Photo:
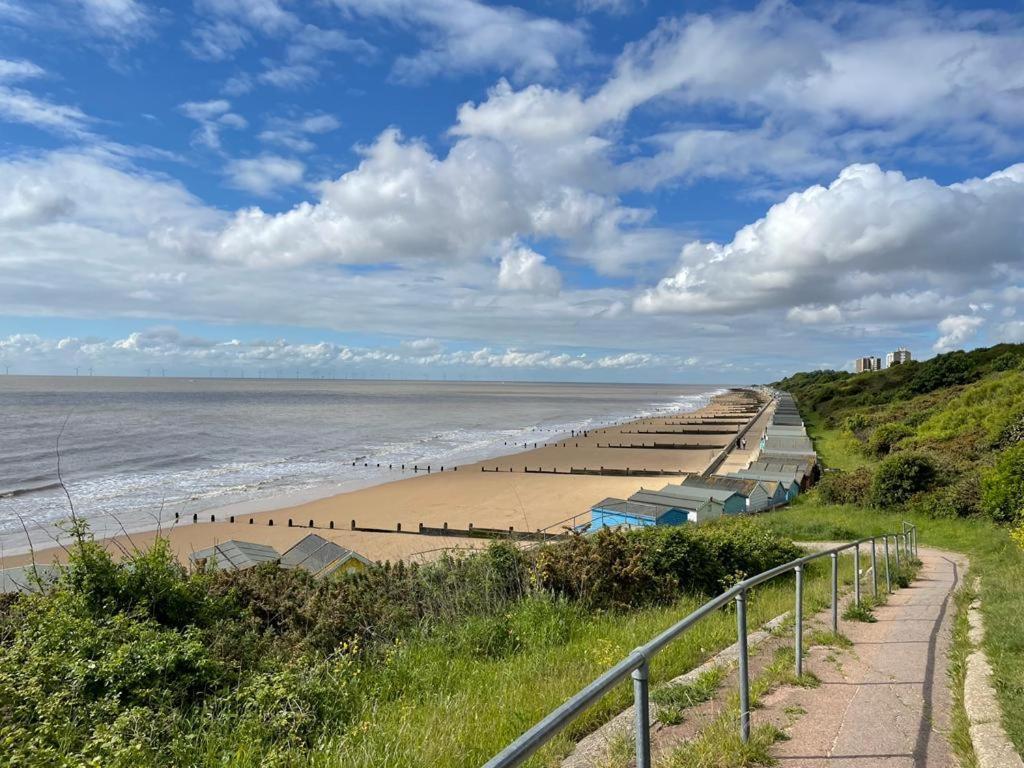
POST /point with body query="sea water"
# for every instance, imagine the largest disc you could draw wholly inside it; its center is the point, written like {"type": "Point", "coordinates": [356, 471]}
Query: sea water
{"type": "Point", "coordinates": [135, 451]}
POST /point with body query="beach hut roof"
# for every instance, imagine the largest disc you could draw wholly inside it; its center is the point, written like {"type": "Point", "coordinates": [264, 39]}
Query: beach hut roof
{"type": "Point", "coordinates": [634, 508]}
{"type": "Point", "coordinates": [720, 482]}
{"type": "Point", "coordinates": [656, 498]}
{"type": "Point", "coordinates": [235, 555]}
{"type": "Point", "coordinates": [698, 494]}
{"type": "Point", "coordinates": [318, 555]}
{"type": "Point", "coordinates": [790, 478]}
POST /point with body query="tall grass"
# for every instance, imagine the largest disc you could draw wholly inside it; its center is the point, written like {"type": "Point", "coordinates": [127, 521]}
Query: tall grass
{"type": "Point", "coordinates": [430, 704]}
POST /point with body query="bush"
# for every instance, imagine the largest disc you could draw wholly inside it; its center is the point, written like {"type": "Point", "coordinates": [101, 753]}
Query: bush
{"type": "Point", "coordinates": [1012, 429]}
{"type": "Point", "coordinates": [856, 422]}
{"type": "Point", "coordinates": [1002, 486]}
{"type": "Point", "coordinates": [615, 569]}
{"type": "Point", "coordinates": [959, 499]}
{"type": "Point", "coordinates": [900, 477]}
{"type": "Point", "coordinates": [884, 439]}
{"type": "Point", "coordinates": [846, 487]}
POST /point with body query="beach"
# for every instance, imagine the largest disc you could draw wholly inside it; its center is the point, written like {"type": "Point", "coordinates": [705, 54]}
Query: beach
{"type": "Point", "coordinates": [528, 490]}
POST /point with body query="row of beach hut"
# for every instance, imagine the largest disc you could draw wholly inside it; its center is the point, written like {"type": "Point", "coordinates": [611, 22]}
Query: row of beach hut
{"type": "Point", "coordinates": [783, 465]}
{"type": "Point", "coordinates": [314, 554]}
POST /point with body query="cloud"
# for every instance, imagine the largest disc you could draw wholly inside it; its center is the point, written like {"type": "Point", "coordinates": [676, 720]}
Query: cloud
{"type": "Point", "coordinates": [165, 346]}
{"type": "Point", "coordinates": [117, 18]}
{"type": "Point", "coordinates": [525, 270]}
{"type": "Point", "coordinates": [20, 106]}
{"type": "Point", "coordinates": [956, 330]}
{"type": "Point", "coordinates": [294, 132]}
{"type": "Point", "coordinates": [212, 116]}
{"type": "Point", "coordinates": [1011, 332]}
{"type": "Point", "coordinates": [289, 75]}
{"type": "Point", "coordinates": [267, 16]}
{"type": "Point", "coordinates": [469, 36]}
{"type": "Point", "coordinates": [264, 175]}
{"type": "Point", "coordinates": [867, 230]}
{"type": "Point", "coordinates": [423, 346]}
{"type": "Point", "coordinates": [19, 70]}
{"type": "Point", "coordinates": [611, 7]}
{"type": "Point", "coordinates": [815, 315]}
{"type": "Point", "coordinates": [218, 40]}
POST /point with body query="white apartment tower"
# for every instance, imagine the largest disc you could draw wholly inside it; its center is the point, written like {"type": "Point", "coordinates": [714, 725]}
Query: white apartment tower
{"type": "Point", "coordinates": [900, 356]}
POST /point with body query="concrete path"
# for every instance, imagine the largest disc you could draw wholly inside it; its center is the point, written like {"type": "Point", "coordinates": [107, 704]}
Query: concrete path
{"type": "Point", "coordinates": [886, 701]}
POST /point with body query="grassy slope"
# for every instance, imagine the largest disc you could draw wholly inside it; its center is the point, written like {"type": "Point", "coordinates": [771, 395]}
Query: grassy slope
{"type": "Point", "coordinates": [995, 559]}
{"type": "Point", "coordinates": [430, 706]}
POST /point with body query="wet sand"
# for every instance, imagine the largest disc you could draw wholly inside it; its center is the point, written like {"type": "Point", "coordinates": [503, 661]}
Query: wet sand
{"type": "Point", "coordinates": [496, 493]}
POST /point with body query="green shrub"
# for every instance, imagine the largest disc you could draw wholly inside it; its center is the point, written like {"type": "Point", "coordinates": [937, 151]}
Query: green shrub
{"type": "Point", "coordinates": [627, 568]}
{"type": "Point", "coordinates": [1002, 486]}
{"type": "Point", "coordinates": [845, 487]}
{"type": "Point", "coordinates": [961, 498]}
{"type": "Point", "coordinates": [885, 438]}
{"type": "Point", "coordinates": [1011, 430]}
{"type": "Point", "coordinates": [856, 422]}
{"type": "Point", "coordinates": [900, 477]}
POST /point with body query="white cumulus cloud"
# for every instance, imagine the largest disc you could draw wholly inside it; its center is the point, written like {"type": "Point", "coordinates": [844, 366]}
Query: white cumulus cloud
{"type": "Point", "coordinates": [956, 330]}
{"type": "Point", "coordinates": [523, 269]}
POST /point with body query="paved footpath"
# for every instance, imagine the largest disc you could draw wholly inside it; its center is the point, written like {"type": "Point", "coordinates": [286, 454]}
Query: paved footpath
{"type": "Point", "coordinates": [886, 701]}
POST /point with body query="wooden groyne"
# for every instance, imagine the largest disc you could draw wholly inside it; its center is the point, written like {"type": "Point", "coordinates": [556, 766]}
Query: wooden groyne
{"type": "Point", "coordinates": [662, 446]}
{"type": "Point", "coordinates": [612, 471]}
{"type": "Point", "coordinates": [679, 431]}
{"type": "Point", "coordinates": [472, 532]}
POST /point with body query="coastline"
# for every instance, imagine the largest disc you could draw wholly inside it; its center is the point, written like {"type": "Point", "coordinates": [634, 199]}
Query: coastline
{"type": "Point", "coordinates": [500, 492]}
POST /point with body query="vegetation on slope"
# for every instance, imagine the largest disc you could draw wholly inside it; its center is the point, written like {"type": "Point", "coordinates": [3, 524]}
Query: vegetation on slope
{"type": "Point", "coordinates": [140, 663]}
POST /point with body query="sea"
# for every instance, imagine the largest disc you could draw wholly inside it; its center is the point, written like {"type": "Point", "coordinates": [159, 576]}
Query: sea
{"type": "Point", "coordinates": [134, 452]}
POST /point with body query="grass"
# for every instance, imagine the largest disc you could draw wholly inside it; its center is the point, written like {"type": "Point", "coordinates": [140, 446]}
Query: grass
{"type": "Point", "coordinates": [843, 449]}
{"type": "Point", "coordinates": [960, 649]}
{"type": "Point", "coordinates": [781, 671]}
{"type": "Point", "coordinates": [719, 745]}
{"type": "Point", "coordinates": [828, 639]}
{"type": "Point", "coordinates": [859, 612]}
{"type": "Point", "coordinates": [471, 707]}
{"type": "Point", "coordinates": [673, 698]}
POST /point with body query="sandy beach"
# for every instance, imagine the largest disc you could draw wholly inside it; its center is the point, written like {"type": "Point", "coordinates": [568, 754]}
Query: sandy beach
{"type": "Point", "coordinates": [529, 489]}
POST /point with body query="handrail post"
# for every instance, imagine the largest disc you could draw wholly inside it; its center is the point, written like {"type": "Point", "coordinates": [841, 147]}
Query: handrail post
{"type": "Point", "coordinates": [835, 593]}
{"type": "Point", "coordinates": [741, 632]}
{"type": "Point", "coordinates": [916, 550]}
{"type": "Point", "coordinates": [856, 573]}
{"type": "Point", "coordinates": [799, 613]}
{"type": "Point", "coordinates": [888, 580]}
{"type": "Point", "coordinates": [641, 703]}
{"type": "Point", "coordinates": [896, 543]}
{"type": "Point", "coordinates": [874, 570]}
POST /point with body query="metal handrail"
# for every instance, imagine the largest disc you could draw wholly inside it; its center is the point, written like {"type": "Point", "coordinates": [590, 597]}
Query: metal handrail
{"type": "Point", "coordinates": [635, 665]}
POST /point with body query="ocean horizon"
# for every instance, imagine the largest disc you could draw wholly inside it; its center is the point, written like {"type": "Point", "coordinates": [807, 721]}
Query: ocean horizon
{"type": "Point", "coordinates": [136, 451]}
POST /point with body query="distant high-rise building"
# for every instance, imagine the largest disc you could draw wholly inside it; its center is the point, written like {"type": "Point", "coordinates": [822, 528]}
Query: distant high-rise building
{"type": "Point", "coordinates": [900, 356]}
{"type": "Point", "coordinates": [869, 364]}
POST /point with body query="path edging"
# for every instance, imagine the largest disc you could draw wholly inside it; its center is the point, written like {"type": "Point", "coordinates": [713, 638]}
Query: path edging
{"type": "Point", "coordinates": [593, 747]}
{"type": "Point", "coordinates": [992, 746]}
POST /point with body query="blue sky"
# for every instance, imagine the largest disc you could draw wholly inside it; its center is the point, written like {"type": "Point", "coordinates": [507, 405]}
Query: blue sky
{"type": "Point", "coordinates": [593, 190]}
